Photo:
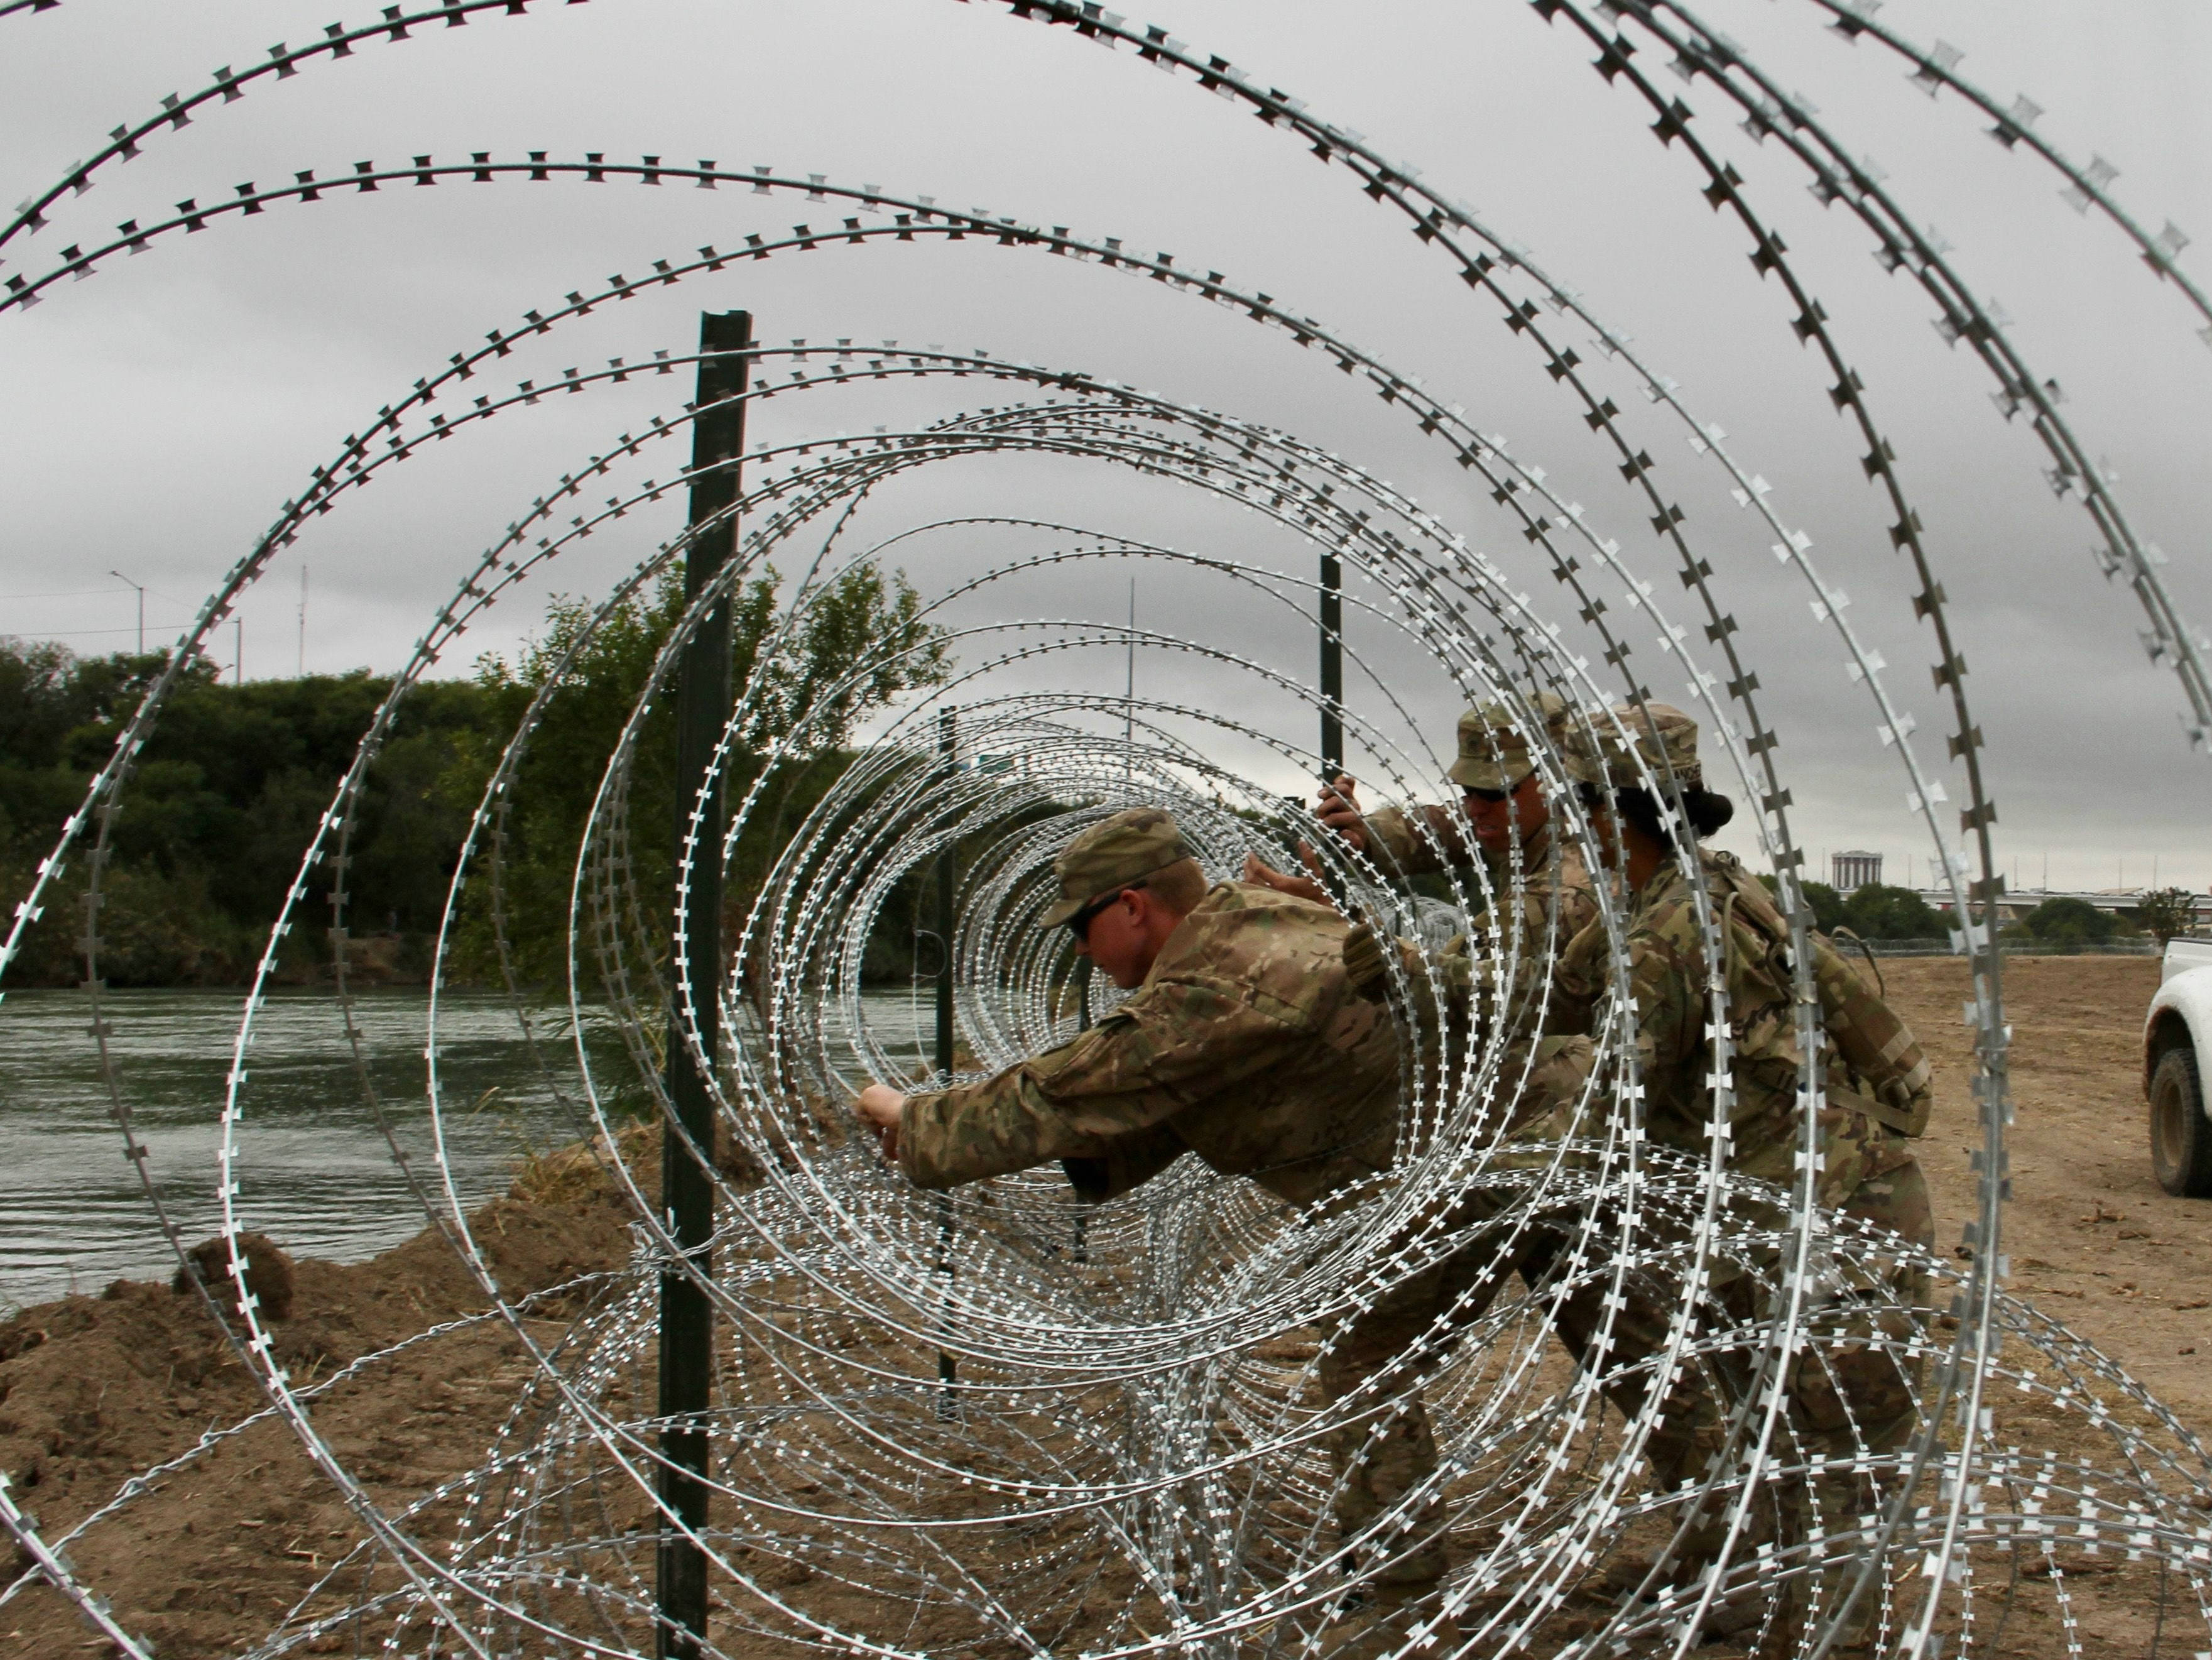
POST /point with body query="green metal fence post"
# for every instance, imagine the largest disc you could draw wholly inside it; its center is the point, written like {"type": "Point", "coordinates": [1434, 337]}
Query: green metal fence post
{"type": "Point", "coordinates": [703, 704]}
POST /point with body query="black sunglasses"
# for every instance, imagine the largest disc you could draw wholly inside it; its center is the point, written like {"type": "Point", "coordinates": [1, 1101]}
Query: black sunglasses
{"type": "Point", "coordinates": [1493, 797]}
{"type": "Point", "coordinates": [1080, 924]}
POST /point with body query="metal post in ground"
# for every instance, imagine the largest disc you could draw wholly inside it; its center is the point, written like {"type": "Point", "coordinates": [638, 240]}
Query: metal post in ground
{"type": "Point", "coordinates": [1081, 1251]}
{"type": "Point", "coordinates": [703, 703]}
{"type": "Point", "coordinates": [1332, 694]}
{"type": "Point", "coordinates": [1129, 699]}
{"type": "Point", "coordinates": [948, 878]}
{"type": "Point", "coordinates": [1332, 667]}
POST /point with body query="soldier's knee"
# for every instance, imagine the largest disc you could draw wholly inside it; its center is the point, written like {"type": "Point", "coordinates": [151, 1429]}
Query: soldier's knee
{"type": "Point", "coordinates": [1366, 1347]}
{"type": "Point", "coordinates": [1897, 1199]}
{"type": "Point", "coordinates": [1859, 1387]}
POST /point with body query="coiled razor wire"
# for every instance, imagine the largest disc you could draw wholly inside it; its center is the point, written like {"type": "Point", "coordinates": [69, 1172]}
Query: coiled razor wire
{"type": "Point", "coordinates": [1131, 1456]}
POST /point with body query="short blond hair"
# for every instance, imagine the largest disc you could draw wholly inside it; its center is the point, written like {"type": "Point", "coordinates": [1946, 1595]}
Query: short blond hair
{"type": "Point", "coordinates": [1179, 887]}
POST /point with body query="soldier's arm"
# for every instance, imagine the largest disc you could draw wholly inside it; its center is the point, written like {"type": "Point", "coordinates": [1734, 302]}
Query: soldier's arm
{"type": "Point", "coordinates": [1477, 988]}
{"type": "Point", "coordinates": [1124, 1162]}
{"type": "Point", "coordinates": [1577, 905]}
{"type": "Point", "coordinates": [1413, 841]}
{"type": "Point", "coordinates": [1669, 993]}
{"type": "Point", "coordinates": [1453, 994]}
{"type": "Point", "coordinates": [1573, 941]}
{"type": "Point", "coordinates": [1004, 1123]}
{"type": "Point", "coordinates": [1449, 976]}
{"type": "Point", "coordinates": [1878, 1047]}
{"type": "Point", "coordinates": [1172, 1045]}
{"type": "Point", "coordinates": [1551, 909]}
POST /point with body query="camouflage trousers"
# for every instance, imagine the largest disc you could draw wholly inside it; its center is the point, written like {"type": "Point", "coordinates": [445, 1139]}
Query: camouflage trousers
{"type": "Point", "coordinates": [1853, 1388]}
{"type": "Point", "coordinates": [1851, 1392]}
{"type": "Point", "coordinates": [1382, 1455]}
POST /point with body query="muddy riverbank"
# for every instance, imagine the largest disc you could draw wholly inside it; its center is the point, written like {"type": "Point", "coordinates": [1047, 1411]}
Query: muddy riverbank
{"type": "Point", "coordinates": [95, 1389]}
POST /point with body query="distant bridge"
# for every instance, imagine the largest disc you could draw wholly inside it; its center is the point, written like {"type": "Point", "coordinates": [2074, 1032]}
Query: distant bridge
{"type": "Point", "coordinates": [2016, 904]}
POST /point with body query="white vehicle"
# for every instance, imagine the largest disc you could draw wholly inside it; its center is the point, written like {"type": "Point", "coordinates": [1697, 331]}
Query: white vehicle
{"type": "Point", "coordinates": [2177, 1059]}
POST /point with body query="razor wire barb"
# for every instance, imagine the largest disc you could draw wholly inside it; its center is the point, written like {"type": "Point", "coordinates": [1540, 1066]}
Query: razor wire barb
{"type": "Point", "coordinates": [1133, 1460]}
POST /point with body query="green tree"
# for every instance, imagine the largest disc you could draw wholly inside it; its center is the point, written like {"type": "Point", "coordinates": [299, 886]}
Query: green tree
{"type": "Point", "coordinates": [2070, 923]}
{"type": "Point", "coordinates": [232, 784]}
{"type": "Point", "coordinates": [2166, 912]}
{"type": "Point", "coordinates": [221, 804]}
{"type": "Point", "coordinates": [1873, 912]}
{"type": "Point", "coordinates": [1879, 912]}
{"type": "Point", "coordinates": [855, 644]}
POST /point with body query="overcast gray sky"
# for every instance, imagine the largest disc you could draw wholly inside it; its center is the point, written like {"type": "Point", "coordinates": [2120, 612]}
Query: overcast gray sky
{"type": "Point", "coordinates": [154, 418]}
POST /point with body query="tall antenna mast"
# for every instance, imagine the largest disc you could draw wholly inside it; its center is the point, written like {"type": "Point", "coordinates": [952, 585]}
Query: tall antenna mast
{"type": "Point", "coordinates": [302, 669]}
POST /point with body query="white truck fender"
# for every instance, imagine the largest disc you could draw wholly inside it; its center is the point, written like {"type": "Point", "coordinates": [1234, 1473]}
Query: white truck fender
{"type": "Point", "coordinates": [2181, 1010]}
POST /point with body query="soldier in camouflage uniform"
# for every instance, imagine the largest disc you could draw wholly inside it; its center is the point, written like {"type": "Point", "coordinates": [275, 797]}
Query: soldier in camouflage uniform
{"type": "Point", "coordinates": [1242, 1044]}
{"type": "Point", "coordinates": [1539, 882]}
{"type": "Point", "coordinates": [1849, 1394]}
{"type": "Point", "coordinates": [1538, 874]}
{"type": "Point", "coordinates": [1528, 866]}
{"type": "Point", "coordinates": [1503, 803]}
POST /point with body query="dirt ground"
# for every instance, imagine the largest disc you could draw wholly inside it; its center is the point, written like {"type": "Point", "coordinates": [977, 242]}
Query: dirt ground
{"type": "Point", "coordinates": [95, 1389]}
{"type": "Point", "coordinates": [2093, 1240]}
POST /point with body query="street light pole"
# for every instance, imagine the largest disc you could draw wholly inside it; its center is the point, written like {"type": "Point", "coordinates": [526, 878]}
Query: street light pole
{"type": "Point", "coordinates": [127, 582]}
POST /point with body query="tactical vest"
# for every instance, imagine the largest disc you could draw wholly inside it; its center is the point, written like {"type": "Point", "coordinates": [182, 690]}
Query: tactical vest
{"type": "Point", "coordinates": [1876, 1064]}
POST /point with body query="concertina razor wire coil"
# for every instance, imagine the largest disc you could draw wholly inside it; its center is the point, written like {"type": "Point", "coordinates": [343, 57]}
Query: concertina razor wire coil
{"type": "Point", "coordinates": [1134, 1457]}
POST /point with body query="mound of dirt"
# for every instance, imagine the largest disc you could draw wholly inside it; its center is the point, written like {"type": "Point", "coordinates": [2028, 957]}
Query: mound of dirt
{"type": "Point", "coordinates": [95, 1389]}
{"type": "Point", "coordinates": [268, 1274]}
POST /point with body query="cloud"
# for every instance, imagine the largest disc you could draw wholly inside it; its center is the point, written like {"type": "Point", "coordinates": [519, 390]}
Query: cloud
{"type": "Point", "coordinates": [159, 415]}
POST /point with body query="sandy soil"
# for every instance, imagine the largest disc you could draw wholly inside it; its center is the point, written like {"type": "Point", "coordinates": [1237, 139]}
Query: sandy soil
{"type": "Point", "coordinates": [2093, 1239]}
{"type": "Point", "coordinates": [94, 1389]}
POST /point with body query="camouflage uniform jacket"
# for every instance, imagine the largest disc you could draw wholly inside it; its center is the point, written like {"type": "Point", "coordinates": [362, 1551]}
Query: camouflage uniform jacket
{"type": "Point", "coordinates": [1553, 904]}
{"type": "Point", "coordinates": [1549, 865]}
{"type": "Point", "coordinates": [1245, 1045]}
{"type": "Point", "coordinates": [1402, 846]}
{"type": "Point", "coordinates": [1875, 1080]}
{"type": "Point", "coordinates": [1452, 996]}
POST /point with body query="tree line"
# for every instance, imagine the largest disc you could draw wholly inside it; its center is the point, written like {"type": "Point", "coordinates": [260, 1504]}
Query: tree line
{"type": "Point", "coordinates": [2064, 924]}
{"type": "Point", "coordinates": [231, 786]}
{"type": "Point", "coordinates": [229, 789]}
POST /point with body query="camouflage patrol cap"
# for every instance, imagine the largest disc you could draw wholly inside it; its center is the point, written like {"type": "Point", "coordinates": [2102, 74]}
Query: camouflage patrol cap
{"type": "Point", "coordinates": [1114, 853]}
{"type": "Point", "coordinates": [1493, 754]}
{"type": "Point", "coordinates": [1662, 737]}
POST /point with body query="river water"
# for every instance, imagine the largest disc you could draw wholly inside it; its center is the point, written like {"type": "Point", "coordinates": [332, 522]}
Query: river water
{"type": "Point", "coordinates": [315, 1169]}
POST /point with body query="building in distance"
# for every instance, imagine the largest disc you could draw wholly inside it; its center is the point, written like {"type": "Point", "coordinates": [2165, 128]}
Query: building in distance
{"type": "Point", "coordinates": [1853, 869]}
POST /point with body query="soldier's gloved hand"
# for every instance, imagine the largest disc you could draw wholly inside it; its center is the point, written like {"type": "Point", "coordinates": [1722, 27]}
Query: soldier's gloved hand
{"type": "Point", "coordinates": [1364, 969]}
{"type": "Point", "coordinates": [881, 1109]}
